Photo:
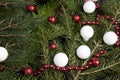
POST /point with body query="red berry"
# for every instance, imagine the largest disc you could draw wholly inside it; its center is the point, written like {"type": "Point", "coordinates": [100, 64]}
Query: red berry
{"type": "Point", "coordinates": [96, 62]}
{"type": "Point", "coordinates": [28, 71]}
{"type": "Point", "coordinates": [98, 15]}
{"type": "Point", "coordinates": [76, 18]}
{"type": "Point", "coordinates": [97, 23]}
{"type": "Point", "coordinates": [31, 8]}
{"type": "Point", "coordinates": [53, 46]}
{"type": "Point", "coordinates": [97, 18]}
{"type": "Point", "coordinates": [35, 74]}
{"type": "Point", "coordinates": [52, 19]}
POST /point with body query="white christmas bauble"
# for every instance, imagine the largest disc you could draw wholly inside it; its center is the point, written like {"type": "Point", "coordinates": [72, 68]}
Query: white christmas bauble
{"type": "Point", "coordinates": [83, 51]}
{"type": "Point", "coordinates": [60, 59]}
{"type": "Point", "coordinates": [110, 38]}
{"type": "Point", "coordinates": [86, 32]}
{"type": "Point", "coordinates": [3, 54]}
{"type": "Point", "coordinates": [89, 7]}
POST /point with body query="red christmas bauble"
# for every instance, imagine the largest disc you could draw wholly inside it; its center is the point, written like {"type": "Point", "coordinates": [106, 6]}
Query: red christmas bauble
{"type": "Point", "coordinates": [76, 18]}
{"type": "Point", "coordinates": [28, 71]}
{"type": "Point", "coordinates": [96, 62]}
{"type": "Point", "coordinates": [52, 19]}
{"type": "Point", "coordinates": [53, 46]}
{"type": "Point", "coordinates": [31, 8]}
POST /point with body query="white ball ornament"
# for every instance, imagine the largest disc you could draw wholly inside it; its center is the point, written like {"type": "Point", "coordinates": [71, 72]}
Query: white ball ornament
{"type": "Point", "coordinates": [89, 7]}
{"type": "Point", "coordinates": [83, 52]}
{"type": "Point", "coordinates": [3, 54]}
{"type": "Point", "coordinates": [60, 59]}
{"type": "Point", "coordinates": [87, 32]}
{"type": "Point", "coordinates": [110, 38]}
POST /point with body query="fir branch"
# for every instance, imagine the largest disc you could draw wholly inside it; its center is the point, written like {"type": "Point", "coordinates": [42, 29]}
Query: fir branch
{"type": "Point", "coordinates": [100, 69]}
{"type": "Point", "coordinates": [97, 45]}
{"type": "Point", "coordinates": [12, 35]}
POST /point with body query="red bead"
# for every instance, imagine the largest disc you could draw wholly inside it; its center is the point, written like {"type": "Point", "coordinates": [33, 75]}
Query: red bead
{"type": "Point", "coordinates": [97, 23]}
{"type": "Point", "coordinates": [97, 5]}
{"type": "Point", "coordinates": [41, 69]}
{"type": "Point", "coordinates": [52, 66]}
{"type": "Point", "coordinates": [46, 66]}
{"type": "Point", "coordinates": [38, 72]}
{"type": "Point", "coordinates": [75, 68]}
{"type": "Point", "coordinates": [52, 19]}
{"type": "Point", "coordinates": [31, 8]}
{"type": "Point", "coordinates": [82, 68]}
{"type": "Point", "coordinates": [57, 68]}
{"type": "Point", "coordinates": [107, 17]}
{"type": "Point", "coordinates": [115, 23]}
{"type": "Point", "coordinates": [97, 18]}
{"type": "Point", "coordinates": [93, 22]}
{"type": "Point", "coordinates": [117, 28]}
{"type": "Point", "coordinates": [89, 63]}
{"type": "Point", "coordinates": [63, 69]}
{"type": "Point", "coordinates": [69, 68]}
{"type": "Point", "coordinates": [28, 71]}
{"type": "Point", "coordinates": [117, 43]}
{"type": "Point", "coordinates": [102, 51]}
{"type": "Point", "coordinates": [96, 62]}
{"type": "Point", "coordinates": [83, 22]}
{"type": "Point", "coordinates": [112, 19]}
{"type": "Point", "coordinates": [118, 33]}
{"type": "Point", "coordinates": [94, 58]}
{"type": "Point", "coordinates": [1, 68]}
{"type": "Point", "coordinates": [98, 15]}
{"type": "Point", "coordinates": [86, 66]}
{"type": "Point", "coordinates": [97, 55]}
{"type": "Point", "coordinates": [35, 74]}
{"type": "Point", "coordinates": [76, 18]}
{"type": "Point", "coordinates": [88, 22]}
{"type": "Point", "coordinates": [53, 46]}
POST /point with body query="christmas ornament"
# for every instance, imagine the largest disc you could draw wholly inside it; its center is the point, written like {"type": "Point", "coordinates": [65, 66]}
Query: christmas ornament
{"type": "Point", "coordinates": [27, 71]}
{"type": "Point", "coordinates": [31, 8]}
{"type": "Point", "coordinates": [110, 38]}
{"type": "Point", "coordinates": [86, 32]}
{"type": "Point", "coordinates": [76, 18]}
{"type": "Point", "coordinates": [60, 59]}
{"type": "Point", "coordinates": [96, 62]}
{"type": "Point", "coordinates": [53, 46]}
{"type": "Point", "coordinates": [89, 7]}
{"type": "Point", "coordinates": [52, 19]}
{"type": "Point", "coordinates": [3, 54]}
{"type": "Point", "coordinates": [83, 51]}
